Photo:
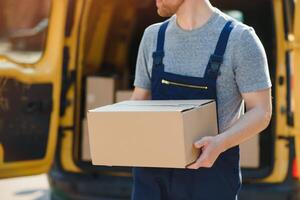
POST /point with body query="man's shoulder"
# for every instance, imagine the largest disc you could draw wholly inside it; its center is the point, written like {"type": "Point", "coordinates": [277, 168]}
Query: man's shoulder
{"type": "Point", "coordinates": [229, 16]}
{"type": "Point", "coordinates": [152, 30]}
{"type": "Point", "coordinates": [241, 35]}
{"type": "Point", "coordinates": [240, 30]}
{"type": "Point", "coordinates": [244, 35]}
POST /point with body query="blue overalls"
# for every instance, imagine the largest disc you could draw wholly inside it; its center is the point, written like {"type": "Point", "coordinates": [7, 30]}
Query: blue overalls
{"type": "Point", "coordinates": [222, 180]}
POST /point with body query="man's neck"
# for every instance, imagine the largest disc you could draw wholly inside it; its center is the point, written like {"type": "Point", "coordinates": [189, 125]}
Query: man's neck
{"type": "Point", "coordinates": [193, 14]}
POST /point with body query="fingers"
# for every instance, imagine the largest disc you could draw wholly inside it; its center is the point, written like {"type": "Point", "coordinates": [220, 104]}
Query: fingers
{"type": "Point", "coordinates": [202, 142]}
{"type": "Point", "coordinates": [202, 161]}
{"type": "Point", "coordinates": [205, 159]}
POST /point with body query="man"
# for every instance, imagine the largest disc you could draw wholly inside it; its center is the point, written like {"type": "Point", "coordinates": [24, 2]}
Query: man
{"type": "Point", "coordinates": [201, 53]}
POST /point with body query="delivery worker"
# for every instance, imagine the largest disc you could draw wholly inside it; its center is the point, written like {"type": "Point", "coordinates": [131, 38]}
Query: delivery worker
{"type": "Point", "coordinates": [202, 53]}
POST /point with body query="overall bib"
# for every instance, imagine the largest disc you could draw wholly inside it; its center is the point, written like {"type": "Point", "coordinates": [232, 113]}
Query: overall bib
{"type": "Point", "coordinates": [222, 180]}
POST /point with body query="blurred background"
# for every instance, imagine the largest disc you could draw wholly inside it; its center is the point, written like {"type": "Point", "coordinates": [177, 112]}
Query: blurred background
{"type": "Point", "coordinates": [23, 28]}
{"type": "Point", "coordinates": [60, 58]}
{"type": "Point", "coordinates": [26, 188]}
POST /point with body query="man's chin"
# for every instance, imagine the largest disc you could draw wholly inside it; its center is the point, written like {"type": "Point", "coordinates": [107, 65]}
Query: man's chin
{"type": "Point", "coordinates": [163, 13]}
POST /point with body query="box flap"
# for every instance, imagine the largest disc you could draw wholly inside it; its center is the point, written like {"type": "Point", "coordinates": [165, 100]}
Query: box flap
{"type": "Point", "coordinates": [152, 105]}
{"type": "Point", "coordinates": [166, 102]}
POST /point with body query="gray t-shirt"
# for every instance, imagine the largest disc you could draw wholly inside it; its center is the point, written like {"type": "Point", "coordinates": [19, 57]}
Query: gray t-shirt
{"type": "Point", "coordinates": [244, 69]}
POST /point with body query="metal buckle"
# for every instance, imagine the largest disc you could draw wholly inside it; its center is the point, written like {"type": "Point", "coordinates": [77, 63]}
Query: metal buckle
{"type": "Point", "coordinates": [158, 57]}
{"type": "Point", "coordinates": [215, 62]}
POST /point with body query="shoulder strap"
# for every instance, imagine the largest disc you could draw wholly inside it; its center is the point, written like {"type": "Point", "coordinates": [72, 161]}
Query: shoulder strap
{"type": "Point", "coordinates": [159, 54]}
{"type": "Point", "coordinates": [216, 59]}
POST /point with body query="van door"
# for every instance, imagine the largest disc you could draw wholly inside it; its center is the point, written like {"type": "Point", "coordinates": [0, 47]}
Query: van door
{"type": "Point", "coordinates": [296, 78]}
{"type": "Point", "coordinates": [30, 84]}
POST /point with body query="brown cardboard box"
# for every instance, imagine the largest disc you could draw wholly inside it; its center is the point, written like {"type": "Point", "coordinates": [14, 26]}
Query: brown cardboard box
{"type": "Point", "coordinates": [249, 152]}
{"type": "Point", "coordinates": [85, 145]}
{"type": "Point", "coordinates": [100, 91]}
{"type": "Point", "coordinates": [123, 95]}
{"type": "Point", "coordinates": [150, 133]}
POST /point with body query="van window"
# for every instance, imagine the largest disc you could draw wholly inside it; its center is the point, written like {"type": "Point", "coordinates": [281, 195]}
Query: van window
{"type": "Point", "coordinates": [23, 28]}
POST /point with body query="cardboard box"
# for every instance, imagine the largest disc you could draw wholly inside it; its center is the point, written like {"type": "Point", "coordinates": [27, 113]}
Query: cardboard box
{"type": "Point", "coordinates": [150, 133]}
{"type": "Point", "coordinates": [123, 95]}
{"type": "Point", "coordinates": [100, 91]}
{"type": "Point", "coordinates": [85, 145]}
{"type": "Point", "coordinates": [249, 153]}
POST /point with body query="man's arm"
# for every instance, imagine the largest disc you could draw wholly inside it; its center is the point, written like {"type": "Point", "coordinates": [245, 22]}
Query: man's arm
{"type": "Point", "coordinates": [257, 117]}
{"type": "Point", "coordinates": [140, 94]}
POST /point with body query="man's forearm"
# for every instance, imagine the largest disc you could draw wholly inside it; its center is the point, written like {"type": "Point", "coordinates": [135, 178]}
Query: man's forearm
{"type": "Point", "coordinates": [248, 125]}
{"type": "Point", "coordinates": [140, 94]}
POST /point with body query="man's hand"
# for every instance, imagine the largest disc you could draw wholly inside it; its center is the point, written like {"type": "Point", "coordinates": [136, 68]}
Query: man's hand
{"type": "Point", "coordinates": [256, 119]}
{"type": "Point", "coordinates": [210, 149]}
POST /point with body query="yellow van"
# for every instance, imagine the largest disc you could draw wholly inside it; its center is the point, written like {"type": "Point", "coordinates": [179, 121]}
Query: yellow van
{"type": "Point", "coordinates": [45, 64]}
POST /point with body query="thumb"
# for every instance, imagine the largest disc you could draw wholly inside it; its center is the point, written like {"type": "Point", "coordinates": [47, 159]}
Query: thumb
{"type": "Point", "coordinates": [200, 143]}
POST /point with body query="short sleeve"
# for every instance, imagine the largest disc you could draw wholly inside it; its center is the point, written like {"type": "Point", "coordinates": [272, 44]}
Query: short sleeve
{"type": "Point", "coordinates": [142, 75]}
{"type": "Point", "coordinates": [250, 63]}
